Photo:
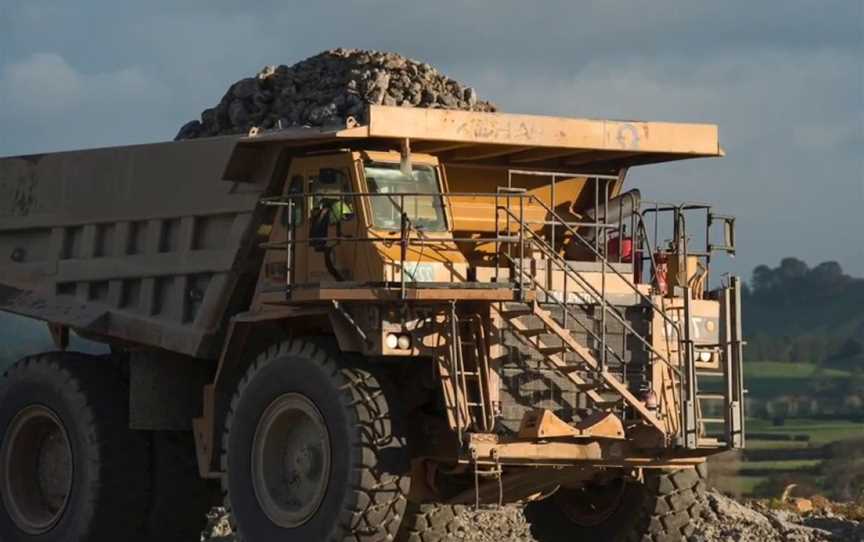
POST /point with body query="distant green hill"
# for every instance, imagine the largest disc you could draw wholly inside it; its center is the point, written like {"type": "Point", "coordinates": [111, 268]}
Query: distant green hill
{"type": "Point", "coordinates": [798, 314]}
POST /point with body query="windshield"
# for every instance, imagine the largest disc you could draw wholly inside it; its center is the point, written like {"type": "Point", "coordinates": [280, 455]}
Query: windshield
{"type": "Point", "coordinates": [425, 212]}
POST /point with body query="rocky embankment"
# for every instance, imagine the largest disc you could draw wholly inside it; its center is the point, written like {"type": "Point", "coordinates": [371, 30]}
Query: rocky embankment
{"type": "Point", "coordinates": [730, 520]}
{"type": "Point", "coordinates": [327, 89]}
{"type": "Point", "coordinates": [726, 520]}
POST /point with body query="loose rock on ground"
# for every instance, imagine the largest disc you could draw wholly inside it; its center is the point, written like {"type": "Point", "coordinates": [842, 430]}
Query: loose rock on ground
{"type": "Point", "coordinates": [726, 521]}
{"type": "Point", "coordinates": [327, 89]}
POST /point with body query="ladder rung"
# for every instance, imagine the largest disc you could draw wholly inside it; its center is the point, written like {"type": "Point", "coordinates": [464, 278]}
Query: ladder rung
{"type": "Point", "coordinates": [711, 396]}
{"type": "Point", "coordinates": [712, 420]}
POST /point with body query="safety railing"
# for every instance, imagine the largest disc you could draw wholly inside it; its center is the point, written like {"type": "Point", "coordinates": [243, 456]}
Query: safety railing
{"type": "Point", "coordinates": [515, 237]}
{"type": "Point", "coordinates": [599, 297]}
{"type": "Point", "coordinates": [517, 231]}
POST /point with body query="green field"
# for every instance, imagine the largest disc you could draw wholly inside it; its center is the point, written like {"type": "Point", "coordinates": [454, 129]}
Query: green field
{"type": "Point", "coordinates": [769, 379]}
{"type": "Point", "coordinates": [819, 431]}
{"type": "Point", "coordinates": [790, 450]}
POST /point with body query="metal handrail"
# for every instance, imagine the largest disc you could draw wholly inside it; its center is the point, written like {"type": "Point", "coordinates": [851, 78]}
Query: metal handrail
{"type": "Point", "coordinates": [518, 236]}
{"type": "Point", "coordinates": [598, 296]}
{"type": "Point", "coordinates": [566, 307]}
{"type": "Point", "coordinates": [518, 239]}
{"type": "Point", "coordinates": [521, 196]}
{"type": "Point", "coordinates": [605, 262]}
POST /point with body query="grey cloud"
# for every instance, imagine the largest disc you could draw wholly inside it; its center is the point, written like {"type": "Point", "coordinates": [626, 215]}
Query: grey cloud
{"type": "Point", "coordinates": [44, 84]}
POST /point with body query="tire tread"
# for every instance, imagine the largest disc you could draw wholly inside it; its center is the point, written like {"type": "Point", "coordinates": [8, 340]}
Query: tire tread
{"type": "Point", "coordinates": [376, 511]}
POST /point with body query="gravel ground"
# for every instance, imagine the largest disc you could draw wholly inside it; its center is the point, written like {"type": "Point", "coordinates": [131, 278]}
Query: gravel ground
{"type": "Point", "coordinates": [726, 521]}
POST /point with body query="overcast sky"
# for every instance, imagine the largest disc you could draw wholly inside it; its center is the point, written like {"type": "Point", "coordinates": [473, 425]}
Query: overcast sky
{"type": "Point", "coordinates": [783, 79]}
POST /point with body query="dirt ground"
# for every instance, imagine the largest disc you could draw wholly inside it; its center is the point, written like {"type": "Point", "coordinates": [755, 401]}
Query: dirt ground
{"type": "Point", "coordinates": [725, 520]}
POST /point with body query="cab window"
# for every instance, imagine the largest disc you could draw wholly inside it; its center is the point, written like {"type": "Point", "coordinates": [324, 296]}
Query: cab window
{"type": "Point", "coordinates": [328, 188]}
{"type": "Point", "coordinates": [422, 203]}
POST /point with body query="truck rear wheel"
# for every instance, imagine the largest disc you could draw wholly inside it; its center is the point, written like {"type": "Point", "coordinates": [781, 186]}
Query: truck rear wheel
{"type": "Point", "coordinates": [69, 465]}
{"type": "Point", "coordinates": [660, 509]}
{"type": "Point", "coordinates": [313, 451]}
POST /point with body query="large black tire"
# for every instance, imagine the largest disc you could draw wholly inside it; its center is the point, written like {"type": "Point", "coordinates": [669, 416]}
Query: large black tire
{"type": "Point", "coordinates": [429, 522]}
{"type": "Point", "coordinates": [81, 403]}
{"type": "Point", "coordinates": [662, 509]}
{"type": "Point", "coordinates": [363, 495]}
{"type": "Point", "coordinates": [179, 497]}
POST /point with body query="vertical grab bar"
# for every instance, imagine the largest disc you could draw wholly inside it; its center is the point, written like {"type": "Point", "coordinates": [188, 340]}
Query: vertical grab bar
{"type": "Point", "coordinates": [403, 246]}
{"type": "Point", "coordinates": [289, 248]}
{"type": "Point", "coordinates": [690, 423]}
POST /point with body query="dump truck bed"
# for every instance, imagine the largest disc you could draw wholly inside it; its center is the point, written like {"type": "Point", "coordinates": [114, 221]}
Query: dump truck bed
{"type": "Point", "coordinates": [141, 243]}
{"type": "Point", "coordinates": [155, 244]}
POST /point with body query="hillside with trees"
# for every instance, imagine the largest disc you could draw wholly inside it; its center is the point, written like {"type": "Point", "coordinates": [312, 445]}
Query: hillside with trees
{"type": "Point", "coordinates": [794, 313]}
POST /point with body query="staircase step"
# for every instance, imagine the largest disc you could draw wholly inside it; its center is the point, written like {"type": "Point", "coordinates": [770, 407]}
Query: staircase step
{"type": "Point", "coordinates": [607, 404]}
{"type": "Point", "coordinates": [585, 386]}
{"type": "Point", "coordinates": [546, 349]}
{"type": "Point", "coordinates": [514, 312]}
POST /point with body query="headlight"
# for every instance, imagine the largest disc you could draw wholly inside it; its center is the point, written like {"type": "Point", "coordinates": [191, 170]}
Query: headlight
{"type": "Point", "coordinates": [404, 342]}
{"type": "Point", "coordinates": [705, 356]}
{"type": "Point", "coordinates": [392, 341]}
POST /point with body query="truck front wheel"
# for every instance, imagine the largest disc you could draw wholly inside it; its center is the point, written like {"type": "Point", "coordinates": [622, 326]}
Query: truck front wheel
{"type": "Point", "coordinates": [313, 451]}
{"type": "Point", "coordinates": [659, 509]}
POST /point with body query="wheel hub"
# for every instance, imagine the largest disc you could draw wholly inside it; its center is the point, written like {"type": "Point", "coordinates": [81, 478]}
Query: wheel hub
{"type": "Point", "coordinates": [592, 504]}
{"type": "Point", "coordinates": [36, 469]}
{"type": "Point", "coordinates": [291, 460]}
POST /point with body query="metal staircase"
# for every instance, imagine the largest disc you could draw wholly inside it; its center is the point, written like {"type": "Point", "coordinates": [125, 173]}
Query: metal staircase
{"type": "Point", "coordinates": [553, 356]}
{"type": "Point", "coordinates": [593, 374]}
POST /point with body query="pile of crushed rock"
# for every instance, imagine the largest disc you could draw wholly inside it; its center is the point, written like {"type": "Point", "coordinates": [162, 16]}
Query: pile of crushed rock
{"type": "Point", "coordinates": [725, 520]}
{"type": "Point", "coordinates": [730, 520]}
{"type": "Point", "coordinates": [327, 89]}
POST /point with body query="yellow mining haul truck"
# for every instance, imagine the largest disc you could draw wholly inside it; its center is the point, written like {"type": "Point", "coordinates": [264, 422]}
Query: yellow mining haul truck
{"type": "Point", "coordinates": [359, 329]}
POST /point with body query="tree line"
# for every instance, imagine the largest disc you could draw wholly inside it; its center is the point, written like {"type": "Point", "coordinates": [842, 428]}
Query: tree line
{"type": "Point", "coordinates": [796, 313]}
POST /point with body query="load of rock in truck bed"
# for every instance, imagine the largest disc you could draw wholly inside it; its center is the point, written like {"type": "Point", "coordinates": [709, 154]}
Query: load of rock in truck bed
{"type": "Point", "coordinates": [327, 89]}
